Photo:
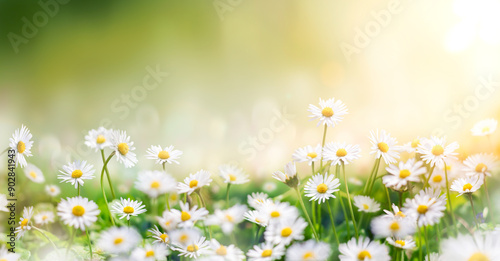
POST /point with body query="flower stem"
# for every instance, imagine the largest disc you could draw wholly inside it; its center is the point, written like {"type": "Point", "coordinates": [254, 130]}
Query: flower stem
{"type": "Point", "coordinates": [312, 166]}
{"type": "Point", "coordinates": [365, 189]}
{"type": "Point", "coordinates": [429, 176]}
{"type": "Point", "coordinates": [167, 200]}
{"type": "Point", "coordinates": [488, 200]}
{"type": "Point", "coordinates": [388, 197]}
{"type": "Point", "coordinates": [78, 185]}
{"type": "Point", "coordinates": [350, 203]}
{"type": "Point", "coordinates": [333, 222]}
{"type": "Point", "coordinates": [322, 146]}
{"type": "Point", "coordinates": [90, 243]}
{"type": "Point", "coordinates": [305, 213]}
{"type": "Point", "coordinates": [257, 235]}
{"type": "Point", "coordinates": [427, 244]}
{"type": "Point", "coordinates": [51, 242]}
{"type": "Point", "coordinates": [473, 210]}
{"type": "Point", "coordinates": [337, 170]}
{"type": "Point", "coordinates": [227, 194]}
{"type": "Point", "coordinates": [449, 199]}
{"type": "Point", "coordinates": [102, 187]}
{"type": "Point", "coordinates": [107, 175]}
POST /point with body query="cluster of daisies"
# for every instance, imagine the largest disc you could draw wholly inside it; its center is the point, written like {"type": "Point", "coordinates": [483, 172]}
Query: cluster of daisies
{"type": "Point", "coordinates": [363, 222]}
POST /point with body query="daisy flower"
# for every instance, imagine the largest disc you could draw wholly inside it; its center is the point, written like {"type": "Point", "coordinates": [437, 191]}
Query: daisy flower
{"type": "Point", "coordinates": [128, 208]}
{"type": "Point", "coordinates": [467, 185]}
{"type": "Point", "coordinates": [187, 216]}
{"type": "Point", "coordinates": [150, 253]}
{"type": "Point", "coordinates": [275, 211]}
{"type": "Point", "coordinates": [285, 230]}
{"type": "Point", "coordinates": [52, 190]}
{"type": "Point", "coordinates": [76, 172]}
{"type": "Point", "coordinates": [484, 127]}
{"type": "Point", "coordinates": [480, 165]}
{"type": "Point", "coordinates": [395, 213]}
{"type": "Point", "coordinates": [308, 251]}
{"type": "Point", "coordinates": [155, 183]}
{"type": "Point", "coordinates": [399, 175]}
{"type": "Point", "coordinates": [363, 249]}
{"type": "Point", "coordinates": [123, 148]}
{"type": "Point", "coordinates": [427, 207]}
{"type": "Point", "coordinates": [98, 139]}
{"type": "Point", "coordinates": [184, 236]}
{"type": "Point", "coordinates": [257, 217]}
{"type": "Point", "coordinates": [308, 154]}
{"type": "Point", "coordinates": [266, 252]}
{"type": "Point", "coordinates": [44, 218]}
{"type": "Point", "coordinates": [454, 168]}
{"type": "Point", "coordinates": [383, 145]}
{"type": "Point", "coordinates": [8, 256]}
{"type": "Point", "coordinates": [194, 182]}
{"type": "Point", "coordinates": [168, 220]}
{"type": "Point", "coordinates": [34, 173]}
{"type": "Point", "coordinates": [402, 243]}
{"type": "Point", "coordinates": [321, 187]}
{"type": "Point", "coordinates": [256, 199]}
{"type": "Point", "coordinates": [118, 240]}
{"type": "Point", "coordinates": [435, 151]}
{"type": "Point", "coordinates": [384, 226]}
{"type": "Point", "coordinates": [160, 237]}
{"type": "Point", "coordinates": [481, 247]}
{"type": "Point", "coordinates": [329, 112]}
{"type": "Point", "coordinates": [269, 187]}
{"type": "Point", "coordinates": [289, 177]}
{"type": "Point", "coordinates": [433, 257]}
{"type": "Point", "coordinates": [193, 248]}
{"type": "Point", "coordinates": [340, 152]}
{"type": "Point", "coordinates": [78, 212]}
{"type": "Point", "coordinates": [3, 203]}
{"type": "Point", "coordinates": [366, 204]}
{"type": "Point", "coordinates": [162, 156]}
{"type": "Point", "coordinates": [233, 175]}
{"type": "Point", "coordinates": [21, 142]}
{"type": "Point", "coordinates": [412, 146]}
{"type": "Point", "coordinates": [438, 179]}
{"type": "Point", "coordinates": [25, 222]}
{"type": "Point", "coordinates": [226, 253]}
{"type": "Point", "coordinates": [227, 219]}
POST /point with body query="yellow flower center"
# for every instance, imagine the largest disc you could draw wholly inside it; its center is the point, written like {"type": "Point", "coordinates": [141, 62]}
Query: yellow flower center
{"type": "Point", "coordinates": [478, 257]}
{"type": "Point", "coordinates": [437, 178]}
{"type": "Point", "coordinates": [163, 155]}
{"type": "Point", "coordinates": [232, 177]}
{"type": "Point", "coordinates": [192, 248]}
{"type": "Point", "coordinates": [21, 147]}
{"type": "Point", "coordinates": [76, 173]}
{"type": "Point", "coordinates": [33, 174]}
{"type": "Point", "coordinates": [128, 210]}
{"type": "Point", "coordinates": [286, 232]}
{"type": "Point", "coordinates": [118, 240]}
{"type": "Point", "coordinates": [437, 150]}
{"type": "Point", "coordinates": [150, 253]}
{"type": "Point", "coordinates": [341, 153]}
{"type": "Point", "coordinates": [24, 222]}
{"type": "Point", "coordinates": [486, 129]}
{"type": "Point", "coordinates": [481, 167]}
{"type": "Point", "coordinates": [164, 237]}
{"type": "Point", "coordinates": [309, 255]}
{"type": "Point", "coordinates": [3, 259]}
{"type": "Point", "coordinates": [467, 186]}
{"type": "Point", "coordinates": [155, 184]}
{"type": "Point", "coordinates": [366, 207]}
{"type": "Point", "coordinates": [312, 155]}
{"type": "Point", "coordinates": [401, 242]}
{"type": "Point", "coordinates": [173, 196]}
{"type": "Point", "coordinates": [322, 188]}
{"type": "Point", "coordinates": [400, 214]}
{"type": "Point", "coordinates": [327, 112]}
{"type": "Point", "coordinates": [404, 173]}
{"type": "Point", "coordinates": [100, 139]}
{"type": "Point", "coordinates": [267, 253]}
{"type": "Point", "coordinates": [364, 254]}
{"type": "Point", "coordinates": [185, 216]}
{"type": "Point", "coordinates": [123, 148]}
{"type": "Point", "coordinates": [184, 238]}
{"type": "Point", "coordinates": [193, 183]}
{"type": "Point", "coordinates": [275, 214]}
{"type": "Point", "coordinates": [394, 226]}
{"type": "Point", "coordinates": [229, 218]}
{"type": "Point", "coordinates": [78, 211]}
{"type": "Point", "coordinates": [221, 251]}
{"type": "Point", "coordinates": [382, 146]}
{"type": "Point", "coordinates": [52, 190]}
{"type": "Point", "coordinates": [422, 209]}
{"type": "Point", "coordinates": [415, 143]}
{"type": "Point", "coordinates": [44, 217]}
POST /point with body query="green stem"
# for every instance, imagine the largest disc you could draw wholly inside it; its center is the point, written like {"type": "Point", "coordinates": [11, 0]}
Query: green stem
{"type": "Point", "coordinates": [427, 244]}
{"type": "Point", "coordinates": [337, 170]}
{"type": "Point", "coordinates": [305, 213]}
{"type": "Point", "coordinates": [257, 235]}
{"type": "Point", "coordinates": [312, 166]}
{"type": "Point", "coordinates": [473, 210]}
{"type": "Point", "coordinates": [323, 145]}
{"type": "Point", "coordinates": [90, 244]}
{"type": "Point", "coordinates": [400, 199]}
{"type": "Point", "coordinates": [449, 199]}
{"type": "Point", "coordinates": [490, 208]}
{"type": "Point", "coordinates": [420, 249]}
{"type": "Point", "coordinates": [128, 222]}
{"type": "Point", "coordinates": [102, 187]}
{"type": "Point", "coordinates": [313, 210]}
{"type": "Point", "coordinates": [167, 196]}
{"type": "Point", "coordinates": [431, 170]}
{"type": "Point", "coordinates": [374, 177]}
{"type": "Point", "coordinates": [227, 194]}
{"type": "Point", "coordinates": [332, 221]}
{"type": "Point", "coordinates": [107, 175]}
{"type": "Point", "coordinates": [320, 230]}
{"type": "Point", "coordinates": [388, 197]}
{"type": "Point", "coordinates": [350, 203]}
{"type": "Point", "coordinates": [360, 223]}
{"type": "Point", "coordinates": [51, 242]}
{"type": "Point", "coordinates": [78, 185]}
{"type": "Point", "coordinates": [367, 183]}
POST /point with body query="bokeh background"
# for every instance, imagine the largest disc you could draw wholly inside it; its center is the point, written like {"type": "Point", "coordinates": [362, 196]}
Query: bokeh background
{"type": "Point", "coordinates": [227, 69]}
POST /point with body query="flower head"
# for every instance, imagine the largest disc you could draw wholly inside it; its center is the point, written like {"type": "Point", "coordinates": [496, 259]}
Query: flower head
{"type": "Point", "coordinates": [21, 143]}
{"type": "Point", "coordinates": [150, 253]}
{"type": "Point", "coordinates": [44, 218]}
{"type": "Point", "coordinates": [226, 253]}
{"type": "Point", "coordinates": [479, 247]}
{"type": "Point", "coordinates": [329, 112]}
{"type": "Point", "coordinates": [194, 182]}
{"type": "Point", "coordinates": [480, 165]}
{"type": "Point", "coordinates": [466, 185]}
{"type": "Point", "coordinates": [76, 172]}
{"type": "Point", "coordinates": [308, 251]}
{"type": "Point", "coordinates": [308, 154]}
{"type": "Point", "coordinates": [123, 148]}
{"type": "Point", "coordinates": [340, 152]}
{"type": "Point", "coordinates": [402, 243]}
{"type": "Point", "coordinates": [366, 204]}
{"type": "Point", "coordinates": [160, 237]}
{"type": "Point", "coordinates": [233, 175]}
{"type": "Point", "coordinates": [187, 216]}
{"type": "Point", "coordinates": [285, 230]}
{"type": "Point", "coordinates": [435, 151]}
{"type": "Point", "coordinates": [127, 208]}
{"type": "Point", "coordinates": [383, 145]}
{"type": "Point", "coordinates": [363, 249]}
{"type": "Point", "coordinates": [484, 127]}
{"type": "Point", "coordinates": [155, 183]}
{"type": "Point", "coordinates": [118, 240]}
{"type": "Point", "coordinates": [98, 139]}
{"type": "Point", "coordinates": [25, 222]}
{"type": "Point", "coordinates": [33, 173]}
{"type": "Point", "coordinates": [78, 212]}
{"type": "Point", "coordinates": [399, 175]}
{"type": "Point", "coordinates": [289, 177]}
{"type": "Point", "coordinates": [52, 190]}
{"type": "Point", "coordinates": [266, 252]}
{"type": "Point", "coordinates": [321, 187]}
{"type": "Point", "coordinates": [227, 219]}
{"type": "Point", "coordinates": [163, 155]}
{"type": "Point", "coordinates": [427, 207]}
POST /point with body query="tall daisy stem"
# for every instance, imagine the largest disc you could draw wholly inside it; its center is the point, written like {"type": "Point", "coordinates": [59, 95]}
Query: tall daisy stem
{"type": "Point", "coordinates": [449, 199]}
{"type": "Point", "coordinates": [337, 170]}
{"type": "Point", "coordinates": [333, 222]}
{"type": "Point", "coordinates": [90, 244]}
{"type": "Point", "coordinates": [78, 185]}
{"type": "Point", "coordinates": [257, 235]}
{"type": "Point", "coordinates": [323, 145]}
{"type": "Point", "coordinates": [473, 210]}
{"type": "Point", "coordinates": [374, 176]}
{"type": "Point", "coordinates": [427, 243]}
{"type": "Point", "coordinates": [107, 175]}
{"type": "Point", "coordinates": [365, 189]}
{"type": "Point", "coordinates": [388, 197]}
{"type": "Point", "coordinates": [227, 194]}
{"type": "Point", "coordinates": [305, 213]}
{"type": "Point", "coordinates": [312, 166]}
{"type": "Point", "coordinates": [490, 208]}
{"type": "Point", "coordinates": [429, 176]}
{"type": "Point", "coordinates": [46, 237]}
{"type": "Point", "coordinates": [102, 187]}
{"type": "Point", "coordinates": [350, 203]}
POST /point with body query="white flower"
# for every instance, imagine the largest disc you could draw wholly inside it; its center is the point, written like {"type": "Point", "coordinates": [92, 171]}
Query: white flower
{"type": "Point", "coordinates": [160, 237]}
{"type": "Point", "coordinates": [480, 247]}
{"type": "Point", "coordinates": [162, 156]}
{"type": "Point", "coordinates": [257, 217]}
{"type": "Point", "coordinates": [118, 240]}
{"type": "Point", "coordinates": [285, 230]}
{"type": "Point", "coordinates": [289, 174]}
{"type": "Point", "coordinates": [435, 151]}
{"type": "Point", "coordinates": [269, 186]}
{"type": "Point", "coordinates": [25, 222]}
{"type": "Point", "coordinates": [78, 212]}
{"type": "Point", "coordinates": [383, 145]}
{"type": "Point", "coordinates": [52, 190]}
{"type": "Point", "coordinates": [438, 179]}
{"type": "Point", "coordinates": [233, 175]}
{"type": "Point", "coordinates": [412, 146]}
{"type": "Point", "coordinates": [168, 221]}
{"type": "Point", "coordinates": [395, 213]}
{"type": "Point", "coordinates": [266, 252]}
{"type": "Point", "coordinates": [184, 236]}
{"type": "Point", "coordinates": [34, 173]}
{"type": "Point", "coordinates": [155, 183]}
{"type": "Point", "coordinates": [321, 187]}
{"type": "Point", "coordinates": [5, 255]}
{"type": "Point", "coordinates": [127, 208]}
{"type": "Point", "coordinates": [338, 152]}
{"type": "Point", "coordinates": [225, 253]}
{"type": "Point", "coordinates": [274, 211]}
{"type": "Point", "coordinates": [433, 257]}
{"type": "Point", "coordinates": [363, 249]}
{"type": "Point", "coordinates": [366, 204]}
{"type": "Point", "coordinates": [194, 182]}
{"type": "Point", "coordinates": [44, 218]}
{"type": "Point", "coordinates": [3, 203]}
{"type": "Point", "coordinates": [98, 139]}
{"type": "Point", "coordinates": [454, 168]}
{"type": "Point", "coordinates": [227, 219]}
{"type": "Point", "coordinates": [123, 148]}
{"type": "Point", "coordinates": [480, 165]}
{"type": "Point", "coordinates": [402, 243]}
{"type": "Point", "coordinates": [466, 185]}
{"type": "Point", "coordinates": [484, 127]}
{"type": "Point", "coordinates": [191, 246]}
{"type": "Point", "coordinates": [399, 176]}
{"type": "Point", "coordinates": [256, 199]}
{"type": "Point", "coordinates": [396, 226]}
{"type": "Point", "coordinates": [187, 216]}
{"type": "Point", "coordinates": [76, 172]}
{"type": "Point", "coordinates": [308, 251]}
{"type": "Point", "coordinates": [329, 112]}
{"type": "Point", "coordinates": [150, 253]}
{"type": "Point", "coordinates": [21, 142]}
{"type": "Point", "coordinates": [307, 154]}
{"type": "Point", "coordinates": [427, 207]}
